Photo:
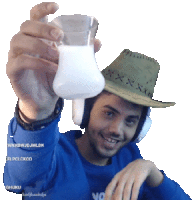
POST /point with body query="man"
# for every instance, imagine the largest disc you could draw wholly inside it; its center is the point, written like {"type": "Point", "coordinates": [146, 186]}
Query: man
{"type": "Point", "coordinates": [105, 161]}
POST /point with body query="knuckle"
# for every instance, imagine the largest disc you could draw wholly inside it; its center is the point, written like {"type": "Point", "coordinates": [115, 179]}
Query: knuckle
{"type": "Point", "coordinates": [8, 69]}
{"type": "Point", "coordinates": [19, 60]}
{"type": "Point", "coordinates": [15, 37]}
{"type": "Point", "coordinates": [24, 25]}
{"type": "Point", "coordinates": [15, 40]}
{"type": "Point", "coordinates": [33, 11]}
{"type": "Point", "coordinates": [151, 162]}
{"type": "Point", "coordinates": [14, 45]}
{"type": "Point", "coordinates": [13, 67]}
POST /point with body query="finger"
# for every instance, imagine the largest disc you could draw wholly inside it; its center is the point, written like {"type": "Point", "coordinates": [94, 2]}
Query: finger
{"type": "Point", "coordinates": [41, 10]}
{"type": "Point", "coordinates": [131, 190]}
{"type": "Point", "coordinates": [97, 45]}
{"type": "Point", "coordinates": [136, 188]}
{"type": "Point", "coordinates": [110, 189]}
{"type": "Point", "coordinates": [22, 44]}
{"type": "Point", "coordinates": [135, 191]}
{"type": "Point", "coordinates": [118, 193]}
{"type": "Point", "coordinates": [24, 62]}
{"type": "Point", "coordinates": [41, 30]}
{"type": "Point", "coordinates": [128, 190]}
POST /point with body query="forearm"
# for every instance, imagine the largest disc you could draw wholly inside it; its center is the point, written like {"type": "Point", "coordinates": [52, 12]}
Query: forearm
{"type": "Point", "coordinates": [155, 178]}
{"type": "Point", "coordinates": [28, 151]}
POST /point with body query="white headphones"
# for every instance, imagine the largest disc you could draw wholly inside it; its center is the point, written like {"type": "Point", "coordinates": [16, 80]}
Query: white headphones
{"type": "Point", "coordinates": [80, 112]}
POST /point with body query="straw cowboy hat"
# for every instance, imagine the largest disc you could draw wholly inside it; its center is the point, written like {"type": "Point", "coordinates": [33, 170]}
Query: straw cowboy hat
{"type": "Point", "coordinates": [133, 76]}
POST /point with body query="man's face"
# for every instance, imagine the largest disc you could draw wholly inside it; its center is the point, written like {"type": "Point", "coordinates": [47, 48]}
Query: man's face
{"type": "Point", "coordinates": [113, 123]}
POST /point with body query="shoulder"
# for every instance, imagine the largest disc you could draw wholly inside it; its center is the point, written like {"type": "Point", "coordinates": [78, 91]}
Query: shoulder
{"type": "Point", "coordinates": [130, 150]}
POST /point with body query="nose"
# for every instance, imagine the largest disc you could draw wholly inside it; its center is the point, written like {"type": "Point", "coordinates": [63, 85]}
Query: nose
{"type": "Point", "coordinates": [116, 128]}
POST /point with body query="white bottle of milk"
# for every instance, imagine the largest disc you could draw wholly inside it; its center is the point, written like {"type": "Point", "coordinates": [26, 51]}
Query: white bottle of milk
{"type": "Point", "coordinates": [78, 76]}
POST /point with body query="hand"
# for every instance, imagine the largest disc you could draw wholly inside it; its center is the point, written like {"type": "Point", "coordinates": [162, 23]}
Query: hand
{"type": "Point", "coordinates": [32, 76]}
{"type": "Point", "coordinates": [126, 184]}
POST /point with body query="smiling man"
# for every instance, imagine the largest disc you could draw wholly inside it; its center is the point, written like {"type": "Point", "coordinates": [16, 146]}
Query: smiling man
{"type": "Point", "coordinates": [102, 163]}
{"type": "Point", "coordinates": [112, 125]}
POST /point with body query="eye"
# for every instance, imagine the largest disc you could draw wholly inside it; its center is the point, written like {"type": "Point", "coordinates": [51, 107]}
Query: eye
{"type": "Point", "coordinates": [130, 122]}
{"type": "Point", "coordinates": [108, 113]}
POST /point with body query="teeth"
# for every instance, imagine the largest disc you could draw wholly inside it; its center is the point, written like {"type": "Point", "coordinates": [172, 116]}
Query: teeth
{"type": "Point", "coordinates": [110, 140]}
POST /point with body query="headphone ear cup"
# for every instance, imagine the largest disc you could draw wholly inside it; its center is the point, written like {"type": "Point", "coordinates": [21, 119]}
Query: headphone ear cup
{"type": "Point", "coordinates": [145, 128]}
{"type": "Point", "coordinates": [78, 106]}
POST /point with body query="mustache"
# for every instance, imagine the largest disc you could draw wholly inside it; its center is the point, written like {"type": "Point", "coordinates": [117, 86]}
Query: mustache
{"type": "Point", "coordinates": [113, 136]}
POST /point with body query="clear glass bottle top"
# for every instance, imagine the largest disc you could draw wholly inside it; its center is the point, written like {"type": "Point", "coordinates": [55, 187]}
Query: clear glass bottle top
{"type": "Point", "coordinates": [78, 76]}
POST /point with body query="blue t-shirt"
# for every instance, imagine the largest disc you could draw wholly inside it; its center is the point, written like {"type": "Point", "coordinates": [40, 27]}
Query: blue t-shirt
{"type": "Point", "coordinates": [46, 164]}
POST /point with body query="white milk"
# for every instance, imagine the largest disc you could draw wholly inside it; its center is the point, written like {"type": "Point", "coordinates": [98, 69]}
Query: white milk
{"type": "Point", "coordinates": [78, 75]}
